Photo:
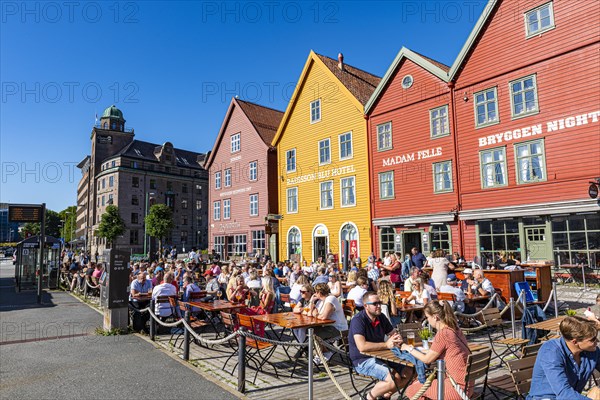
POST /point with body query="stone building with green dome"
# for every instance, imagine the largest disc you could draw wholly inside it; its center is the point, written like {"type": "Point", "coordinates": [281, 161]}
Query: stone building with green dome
{"type": "Point", "coordinates": [133, 175]}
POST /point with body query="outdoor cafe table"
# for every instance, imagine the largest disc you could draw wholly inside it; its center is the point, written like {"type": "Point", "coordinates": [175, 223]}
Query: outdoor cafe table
{"type": "Point", "coordinates": [551, 325]}
{"type": "Point", "coordinates": [214, 308]}
{"type": "Point", "coordinates": [409, 309]}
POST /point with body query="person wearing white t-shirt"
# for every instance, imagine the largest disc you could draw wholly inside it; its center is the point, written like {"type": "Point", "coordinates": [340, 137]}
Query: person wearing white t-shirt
{"type": "Point", "coordinates": [419, 295]}
{"type": "Point", "coordinates": [166, 288]}
{"type": "Point", "coordinates": [358, 291]}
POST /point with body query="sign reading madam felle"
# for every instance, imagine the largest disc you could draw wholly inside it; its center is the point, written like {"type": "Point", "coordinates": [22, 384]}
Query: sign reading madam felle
{"type": "Point", "coordinates": [421, 155]}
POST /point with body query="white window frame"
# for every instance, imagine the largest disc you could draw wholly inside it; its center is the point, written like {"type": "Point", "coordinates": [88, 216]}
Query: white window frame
{"type": "Point", "coordinates": [446, 128]}
{"type": "Point", "coordinates": [485, 102]}
{"type": "Point", "coordinates": [217, 210]}
{"type": "Point", "coordinates": [343, 191]}
{"type": "Point", "coordinates": [288, 191]}
{"type": "Point", "coordinates": [380, 132]}
{"type": "Point", "coordinates": [348, 157]}
{"type": "Point", "coordinates": [328, 161]}
{"type": "Point", "coordinates": [512, 105]}
{"type": "Point", "coordinates": [393, 194]}
{"type": "Point", "coordinates": [482, 164]}
{"type": "Point", "coordinates": [316, 107]}
{"type": "Point", "coordinates": [321, 195]}
{"type": "Point", "coordinates": [227, 182]}
{"type": "Point", "coordinates": [254, 204]}
{"type": "Point", "coordinates": [435, 174]}
{"type": "Point", "coordinates": [542, 162]}
{"type": "Point", "coordinates": [537, 10]}
{"type": "Point", "coordinates": [253, 171]}
{"type": "Point", "coordinates": [235, 143]}
{"type": "Point", "coordinates": [218, 180]}
{"type": "Point", "coordinates": [226, 208]}
{"type": "Point", "coordinates": [287, 157]}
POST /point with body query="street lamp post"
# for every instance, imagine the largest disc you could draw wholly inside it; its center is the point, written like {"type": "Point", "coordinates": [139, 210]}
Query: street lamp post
{"type": "Point", "coordinates": [148, 194]}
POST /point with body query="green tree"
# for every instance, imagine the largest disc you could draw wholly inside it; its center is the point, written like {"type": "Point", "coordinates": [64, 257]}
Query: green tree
{"type": "Point", "coordinates": [52, 226]}
{"type": "Point", "coordinates": [68, 217]}
{"type": "Point", "coordinates": [159, 222]}
{"type": "Point", "coordinates": [111, 225]}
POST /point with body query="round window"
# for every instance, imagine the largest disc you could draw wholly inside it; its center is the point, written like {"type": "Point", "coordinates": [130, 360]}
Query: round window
{"type": "Point", "coordinates": [407, 81]}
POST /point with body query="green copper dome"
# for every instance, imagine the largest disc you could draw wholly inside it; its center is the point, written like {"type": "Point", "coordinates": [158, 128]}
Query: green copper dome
{"type": "Point", "coordinates": [113, 112]}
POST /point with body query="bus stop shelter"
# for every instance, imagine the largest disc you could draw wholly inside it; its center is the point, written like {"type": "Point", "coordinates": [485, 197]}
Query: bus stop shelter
{"type": "Point", "coordinates": [28, 259]}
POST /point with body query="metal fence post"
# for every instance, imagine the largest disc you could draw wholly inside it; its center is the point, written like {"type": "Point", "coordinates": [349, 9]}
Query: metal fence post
{"type": "Point", "coordinates": [311, 332]}
{"type": "Point", "coordinates": [241, 363]}
{"type": "Point", "coordinates": [441, 366]}
{"type": "Point", "coordinates": [152, 323]}
{"type": "Point", "coordinates": [186, 337]}
{"type": "Point", "coordinates": [555, 299]}
{"type": "Point", "coordinates": [512, 316]}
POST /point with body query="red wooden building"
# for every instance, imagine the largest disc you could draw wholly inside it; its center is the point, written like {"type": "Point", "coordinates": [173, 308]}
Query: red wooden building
{"type": "Point", "coordinates": [243, 182]}
{"type": "Point", "coordinates": [523, 138]}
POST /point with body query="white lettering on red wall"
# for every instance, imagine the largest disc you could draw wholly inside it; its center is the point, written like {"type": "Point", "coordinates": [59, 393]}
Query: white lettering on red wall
{"type": "Point", "coordinates": [421, 155]}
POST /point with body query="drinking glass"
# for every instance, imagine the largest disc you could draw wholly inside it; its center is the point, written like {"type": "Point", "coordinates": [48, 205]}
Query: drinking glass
{"type": "Point", "coordinates": [410, 338]}
{"type": "Point", "coordinates": [219, 294]}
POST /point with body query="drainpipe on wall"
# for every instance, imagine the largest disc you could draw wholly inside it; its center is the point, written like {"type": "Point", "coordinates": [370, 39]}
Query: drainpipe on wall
{"type": "Point", "coordinates": [461, 234]}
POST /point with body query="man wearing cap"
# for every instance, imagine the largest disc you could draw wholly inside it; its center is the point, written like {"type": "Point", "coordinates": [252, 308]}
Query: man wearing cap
{"type": "Point", "coordinates": [212, 285]}
{"type": "Point", "coordinates": [464, 286]}
{"type": "Point", "coordinates": [451, 287]}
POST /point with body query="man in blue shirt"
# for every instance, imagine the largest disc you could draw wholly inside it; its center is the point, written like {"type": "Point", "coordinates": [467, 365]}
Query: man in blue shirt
{"type": "Point", "coordinates": [367, 332]}
{"type": "Point", "coordinates": [418, 259]}
{"type": "Point", "coordinates": [564, 365]}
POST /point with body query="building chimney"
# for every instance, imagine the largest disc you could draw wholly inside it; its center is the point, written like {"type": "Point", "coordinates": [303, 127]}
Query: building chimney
{"type": "Point", "coordinates": [341, 61]}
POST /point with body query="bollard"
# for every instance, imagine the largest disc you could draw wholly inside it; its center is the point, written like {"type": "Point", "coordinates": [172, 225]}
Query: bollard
{"type": "Point", "coordinates": [152, 323]}
{"type": "Point", "coordinates": [441, 366]}
{"type": "Point", "coordinates": [555, 299]}
{"type": "Point", "coordinates": [186, 337]}
{"type": "Point", "coordinates": [512, 316]}
{"type": "Point", "coordinates": [241, 363]}
{"type": "Point", "coordinates": [310, 362]}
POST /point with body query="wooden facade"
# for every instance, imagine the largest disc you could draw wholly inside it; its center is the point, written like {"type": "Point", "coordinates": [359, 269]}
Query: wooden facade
{"type": "Point", "coordinates": [323, 163]}
{"type": "Point", "coordinates": [243, 182]}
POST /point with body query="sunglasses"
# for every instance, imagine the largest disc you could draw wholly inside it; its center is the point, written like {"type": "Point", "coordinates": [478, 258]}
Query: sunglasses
{"type": "Point", "coordinates": [374, 303]}
{"type": "Point", "coordinates": [303, 291]}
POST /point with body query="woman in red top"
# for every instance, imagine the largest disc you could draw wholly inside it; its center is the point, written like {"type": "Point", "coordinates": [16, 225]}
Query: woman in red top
{"type": "Point", "coordinates": [395, 270]}
{"type": "Point", "coordinates": [450, 345]}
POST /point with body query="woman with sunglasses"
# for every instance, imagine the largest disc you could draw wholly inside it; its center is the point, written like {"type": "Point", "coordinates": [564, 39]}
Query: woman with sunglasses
{"type": "Point", "coordinates": [302, 307]}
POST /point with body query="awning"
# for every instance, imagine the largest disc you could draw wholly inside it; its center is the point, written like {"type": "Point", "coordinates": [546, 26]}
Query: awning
{"type": "Point", "coordinates": [415, 219]}
{"type": "Point", "coordinates": [562, 207]}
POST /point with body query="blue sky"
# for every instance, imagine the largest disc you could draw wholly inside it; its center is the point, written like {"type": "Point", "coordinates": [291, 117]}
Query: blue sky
{"type": "Point", "coordinates": [172, 68]}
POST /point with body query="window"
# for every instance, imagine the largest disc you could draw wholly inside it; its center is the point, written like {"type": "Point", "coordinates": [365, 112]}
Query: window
{"type": "Point", "coordinates": [198, 189]}
{"type": "Point", "coordinates": [348, 232]}
{"type": "Point", "coordinates": [184, 204]}
{"type": "Point", "coordinates": [235, 143]}
{"type": "Point", "coordinates": [486, 107]}
{"type": "Point", "coordinates": [440, 237]}
{"type": "Point", "coordinates": [326, 195]}
{"type": "Point", "coordinates": [239, 245]}
{"type": "Point", "coordinates": [539, 20]}
{"type": "Point", "coordinates": [315, 111]}
{"type": "Point", "coordinates": [576, 239]}
{"type": "Point", "coordinates": [228, 177]}
{"type": "Point", "coordinates": [226, 209]}
{"type": "Point", "coordinates": [170, 200]}
{"type": "Point", "coordinates": [198, 204]}
{"type": "Point", "coordinates": [292, 200]}
{"type": "Point", "coordinates": [134, 218]}
{"type": "Point", "coordinates": [324, 152]}
{"type": "Point", "coordinates": [184, 187]}
{"type": "Point", "coordinates": [184, 220]}
{"type": "Point", "coordinates": [438, 119]}
{"type": "Point", "coordinates": [523, 96]}
{"type": "Point", "coordinates": [111, 181]}
{"type": "Point", "coordinates": [493, 168]}
{"type": "Point", "coordinates": [183, 236]}
{"type": "Point", "coordinates": [134, 164]}
{"type": "Point", "coordinates": [345, 145]}
{"type": "Point", "coordinates": [384, 136]}
{"type": "Point", "coordinates": [387, 240]}
{"type": "Point", "coordinates": [113, 163]}
{"type": "Point", "coordinates": [290, 157]}
{"type": "Point", "coordinates": [294, 242]}
{"type": "Point", "coordinates": [169, 186]}
{"type": "Point", "coordinates": [218, 180]}
{"type": "Point", "coordinates": [348, 191]}
{"type": "Point", "coordinates": [103, 183]}
{"type": "Point", "coordinates": [442, 177]}
{"type": "Point", "coordinates": [152, 184]}
{"type": "Point", "coordinates": [110, 199]}
{"type": "Point", "coordinates": [258, 241]}
{"type": "Point", "coordinates": [253, 171]}
{"type": "Point", "coordinates": [386, 185]}
{"type": "Point", "coordinates": [103, 201]}
{"type": "Point", "coordinates": [134, 236]}
{"type": "Point", "coordinates": [219, 245]}
{"type": "Point", "coordinates": [135, 201]}
{"type": "Point", "coordinates": [135, 182]}
{"type": "Point", "coordinates": [531, 166]}
{"type": "Point", "coordinates": [254, 204]}
{"type": "Point", "coordinates": [217, 210]}
{"type": "Point", "coordinates": [496, 236]}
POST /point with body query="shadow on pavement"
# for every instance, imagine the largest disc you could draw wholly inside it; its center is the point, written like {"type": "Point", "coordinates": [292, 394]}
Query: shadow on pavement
{"type": "Point", "coordinates": [11, 300]}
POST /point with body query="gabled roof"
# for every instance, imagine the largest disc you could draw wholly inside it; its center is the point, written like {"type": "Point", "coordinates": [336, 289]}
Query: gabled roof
{"type": "Point", "coordinates": [485, 15]}
{"type": "Point", "coordinates": [265, 121]}
{"type": "Point", "coordinates": [145, 151]}
{"type": "Point", "coordinates": [434, 67]}
{"type": "Point", "coordinates": [357, 84]}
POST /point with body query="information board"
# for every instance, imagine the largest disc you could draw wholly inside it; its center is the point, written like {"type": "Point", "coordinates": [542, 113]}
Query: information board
{"type": "Point", "coordinates": [19, 213]}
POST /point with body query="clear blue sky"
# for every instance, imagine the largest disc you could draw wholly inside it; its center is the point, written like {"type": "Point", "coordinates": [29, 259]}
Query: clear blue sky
{"type": "Point", "coordinates": [172, 68]}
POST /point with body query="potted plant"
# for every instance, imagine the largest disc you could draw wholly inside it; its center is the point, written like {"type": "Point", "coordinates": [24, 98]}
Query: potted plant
{"type": "Point", "coordinates": [571, 313]}
{"type": "Point", "coordinates": [425, 334]}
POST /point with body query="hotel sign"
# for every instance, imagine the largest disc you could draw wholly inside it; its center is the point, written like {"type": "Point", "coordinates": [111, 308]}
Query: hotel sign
{"type": "Point", "coordinates": [329, 173]}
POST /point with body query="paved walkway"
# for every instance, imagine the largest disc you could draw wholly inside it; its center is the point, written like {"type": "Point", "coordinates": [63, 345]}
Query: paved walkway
{"type": "Point", "coordinates": [52, 352]}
